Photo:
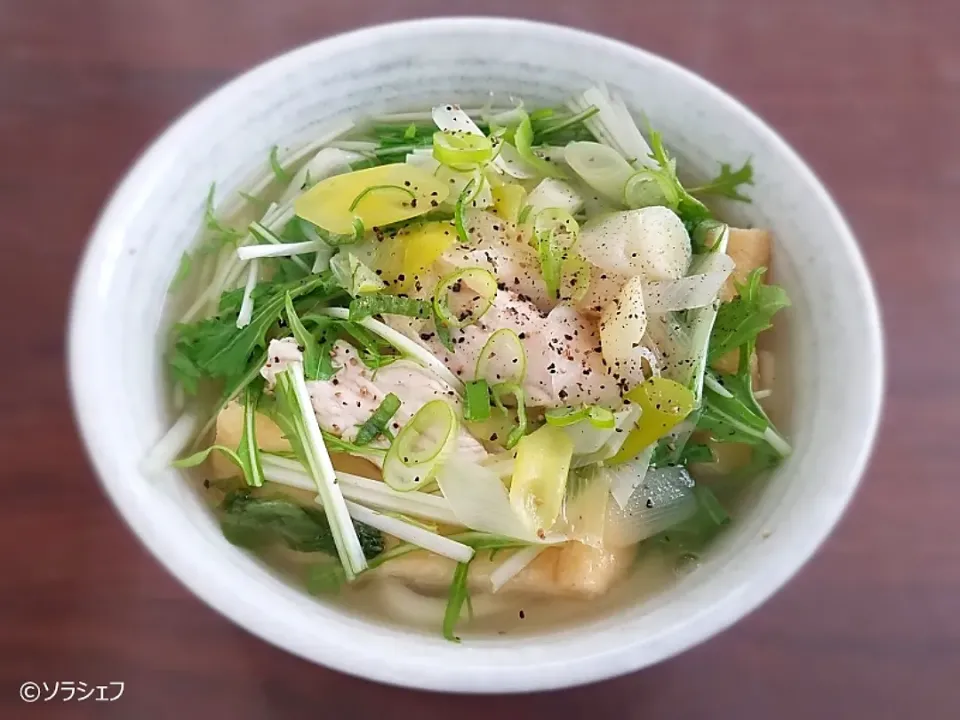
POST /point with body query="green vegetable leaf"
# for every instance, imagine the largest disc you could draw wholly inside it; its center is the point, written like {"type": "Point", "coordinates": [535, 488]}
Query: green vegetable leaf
{"type": "Point", "coordinates": [256, 522]}
{"type": "Point", "coordinates": [317, 364]}
{"type": "Point", "coordinates": [217, 349]}
{"type": "Point", "coordinates": [728, 182]}
{"type": "Point", "coordinates": [457, 596]}
{"type": "Point", "coordinates": [562, 129]}
{"type": "Point", "coordinates": [736, 416]}
{"type": "Point", "coordinates": [376, 424]}
{"type": "Point", "coordinates": [687, 207]}
{"type": "Point", "coordinates": [249, 452]}
{"type": "Point", "coordinates": [743, 318]}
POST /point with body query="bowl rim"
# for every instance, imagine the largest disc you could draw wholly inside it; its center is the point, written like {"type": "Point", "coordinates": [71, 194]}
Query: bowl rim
{"type": "Point", "coordinates": [84, 297]}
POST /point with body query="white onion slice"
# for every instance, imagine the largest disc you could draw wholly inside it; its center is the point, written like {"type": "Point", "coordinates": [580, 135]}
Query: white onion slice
{"type": "Point", "coordinates": [553, 193]}
{"type": "Point", "coordinates": [664, 499]}
{"type": "Point", "coordinates": [692, 291]}
{"type": "Point", "coordinates": [601, 167]}
{"type": "Point", "coordinates": [480, 501]}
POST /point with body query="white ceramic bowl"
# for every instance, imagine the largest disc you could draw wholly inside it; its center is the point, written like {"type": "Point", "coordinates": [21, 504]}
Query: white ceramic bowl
{"type": "Point", "coordinates": [832, 338]}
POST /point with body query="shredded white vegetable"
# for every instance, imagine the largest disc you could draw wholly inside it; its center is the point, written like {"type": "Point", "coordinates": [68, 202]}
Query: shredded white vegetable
{"type": "Point", "coordinates": [629, 476]}
{"type": "Point", "coordinates": [692, 291]}
{"type": "Point", "coordinates": [246, 306]}
{"type": "Point", "coordinates": [249, 252]}
{"type": "Point", "coordinates": [411, 533]}
{"type": "Point", "coordinates": [553, 193]}
{"type": "Point", "coordinates": [169, 447]}
{"type": "Point", "coordinates": [513, 566]}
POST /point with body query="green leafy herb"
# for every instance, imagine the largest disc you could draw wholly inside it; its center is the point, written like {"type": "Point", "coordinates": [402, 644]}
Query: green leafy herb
{"type": "Point", "coordinates": [728, 182]}
{"type": "Point", "coordinates": [457, 596]}
{"type": "Point", "coordinates": [256, 522]}
{"type": "Point", "coordinates": [376, 424]}
{"type": "Point", "coordinates": [317, 364]}
{"type": "Point", "coordinates": [367, 305]}
{"type": "Point", "coordinates": [216, 349]}
{"type": "Point", "coordinates": [278, 170]}
{"type": "Point", "coordinates": [746, 316]}
{"type": "Point", "coordinates": [736, 416]}
{"type": "Point", "coordinates": [249, 451]}
{"type": "Point", "coordinates": [690, 210]}
{"type": "Point", "coordinates": [476, 405]}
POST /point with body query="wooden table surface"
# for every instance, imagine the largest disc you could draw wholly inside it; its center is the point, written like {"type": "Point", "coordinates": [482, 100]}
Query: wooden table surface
{"type": "Point", "coordinates": [868, 92]}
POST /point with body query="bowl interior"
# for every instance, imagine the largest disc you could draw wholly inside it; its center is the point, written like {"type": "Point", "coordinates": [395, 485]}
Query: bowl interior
{"type": "Point", "coordinates": [830, 339]}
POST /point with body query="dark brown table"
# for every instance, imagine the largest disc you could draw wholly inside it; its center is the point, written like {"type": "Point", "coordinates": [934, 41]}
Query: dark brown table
{"type": "Point", "coordinates": [868, 92]}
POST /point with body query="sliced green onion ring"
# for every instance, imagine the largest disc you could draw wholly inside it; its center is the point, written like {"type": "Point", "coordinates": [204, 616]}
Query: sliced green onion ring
{"type": "Point", "coordinates": [469, 194]}
{"type": "Point", "coordinates": [646, 188]}
{"type": "Point", "coordinates": [462, 151]}
{"type": "Point", "coordinates": [502, 359]}
{"type": "Point", "coordinates": [558, 226]}
{"type": "Point", "coordinates": [421, 447]}
{"type": "Point", "coordinates": [519, 397]}
{"type": "Point", "coordinates": [600, 417]}
{"type": "Point", "coordinates": [480, 281]}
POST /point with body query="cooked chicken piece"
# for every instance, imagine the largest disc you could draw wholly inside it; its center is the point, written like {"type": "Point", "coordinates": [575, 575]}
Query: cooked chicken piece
{"type": "Point", "coordinates": [604, 288]}
{"type": "Point", "coordinates": [749, 249]}
{"type": "Point", "coordinates": [571, 570]}
{"type": "Point", "coordinates": [346, 401]}
{"type": "Point", "coordinates": [496, 245]}
{"type": "Point", "coordinates": [564, 366]}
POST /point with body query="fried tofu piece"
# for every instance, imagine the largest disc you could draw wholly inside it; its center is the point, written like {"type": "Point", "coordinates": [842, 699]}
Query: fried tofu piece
{"type": "Point", "coordinates": [749, 249]}
{"type": "Point", "coordinates": [568, 570]}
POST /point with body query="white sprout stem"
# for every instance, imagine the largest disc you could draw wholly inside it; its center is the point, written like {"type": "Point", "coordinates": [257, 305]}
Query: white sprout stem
{"type": "Point", "coordinates": [777, 442]}
{"type": "Point", "coordinates": [364, 491]}
{"type": "Point", "coordinates": [261, 232]}
{"type": "Point", "coordinates": [404, 344]}
{"type": "Point", "coordinates": [249, 252]}
{"type": "Point", "coordinates": [711, 382]}
{"type": "Point", "coordinates": [355, 145]}
{"type": "Point", "coordinates": [169, 447]}
{"type": "Point", "coordinates": [762, 394]}
{"type": "Point", "coordinates": [412, 534]}
{"type": "Point", "coordinates": [246, 306]}
{"type": "Point", "coordinates": [344, 533]}
{"type": "Point", "coordinates": [513, 566]}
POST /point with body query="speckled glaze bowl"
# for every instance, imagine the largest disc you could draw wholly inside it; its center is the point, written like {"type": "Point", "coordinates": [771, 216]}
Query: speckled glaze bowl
{"type": "Point", "coordinates": [830, 366]}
